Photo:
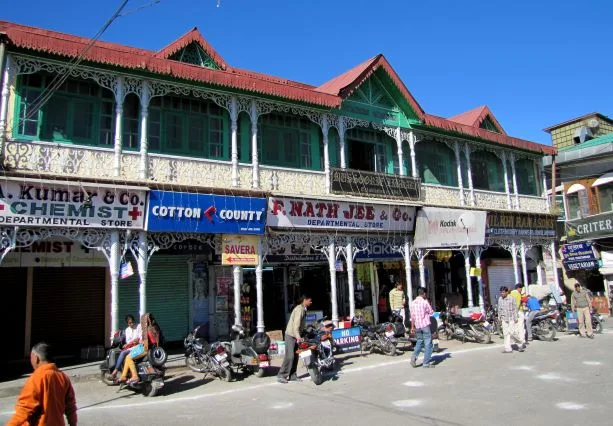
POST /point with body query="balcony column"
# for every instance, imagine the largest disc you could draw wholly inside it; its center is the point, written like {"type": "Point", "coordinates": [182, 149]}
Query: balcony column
{"type": "Point", "coordinates": [471, 189]}
{"type": "Point", "coordinates": [524, 266]}
{"type": "Point", "coordinates": [237, 273]}
{"type": "Point", "coordinates": [481, 287]}
{"type": "Point", "coordinates": [458, 161]}
{"type": "Point", "coordinates": [259, 287]}
{"type": "Point", "coordinates": [541, 170]}
{"type": "Point", "coordinates": [554, 265]}
{"type": "Point", "coordinates": [349, 249]}
{"type": "Point", "coordinates": [507, 191]}
{"type": "Point", "coordinates": [6, 78]}
{"type": "Point", "coordinates": [234, 147]}
{"type": "Point", "coordinates": [400, 156]}
{"type": "Point", "coordinates": [407, 266]}
{"type": "Point", "coordinates": [145, 98]}
{"type": "Point", "coordinates": [341, 142]}
{"type": "Point", "coordinates": [469, 284]}
{"type": "Point", "coordinates": [325, 127]}
{"type": "Point", "coordinates": [332, 268]}
{"type": "Point", "coordinates": [253, 113]}
{"type": "Point", "coordinates": [515, 265]}
{"type": "Point", "coordinates": [515, 193]}
{"type": "Point", "coordinates": [412, 142]}
{"type": "Point", "coordinates": [120, 95]}
{"type": "Point", "coordinates": [114, 259]}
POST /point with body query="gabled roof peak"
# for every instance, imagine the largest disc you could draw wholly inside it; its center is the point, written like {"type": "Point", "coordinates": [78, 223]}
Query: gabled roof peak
{"type": "Point", "coordinates": [475, 118]}
{"type": "Point", "coordinates": [192, 36]}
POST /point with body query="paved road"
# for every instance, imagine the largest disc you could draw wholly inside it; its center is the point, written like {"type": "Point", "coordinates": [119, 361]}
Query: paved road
{"type": "Point", "coordinates": [566, 382]}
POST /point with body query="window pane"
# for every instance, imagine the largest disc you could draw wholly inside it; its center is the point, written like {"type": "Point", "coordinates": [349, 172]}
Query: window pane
{"type": "Point", "coordinates": [290, 148]}
{"type": "Point", "coordinates": [174, 132]}
{"type": "Point", "coordinates": [605, 195]}
{"type": "Point", "coordinates": [197, 131]}
{"type": "Point", "coordinates": [83, 119]}
{"type": "Point", "coordinates": [28, 118]}
{"type": "Point", "coordinates": [55, 117]}
{"type": "Point", "coordinates": [573, 206]}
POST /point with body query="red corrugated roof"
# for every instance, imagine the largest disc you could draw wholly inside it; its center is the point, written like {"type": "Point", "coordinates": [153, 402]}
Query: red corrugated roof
{"type": "Point", "coordinates": [328, 95]}
{"type": "Point", "coordinates": [475, 117]}
{"type": "Point", "coordinates": [192, 36]}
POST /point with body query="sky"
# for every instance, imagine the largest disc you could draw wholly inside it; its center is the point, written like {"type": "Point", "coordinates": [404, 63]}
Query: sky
{"type": "Point", "coordinates": [535, 63]}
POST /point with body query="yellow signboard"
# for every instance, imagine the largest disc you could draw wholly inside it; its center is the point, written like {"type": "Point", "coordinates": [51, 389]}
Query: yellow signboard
{"type": "Point", "coordinates": [239, 250]}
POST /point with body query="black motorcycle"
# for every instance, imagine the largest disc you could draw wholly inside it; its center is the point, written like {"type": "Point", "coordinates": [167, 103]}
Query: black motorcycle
{"type": "Point", "coordinates": [464, 329]}
{"type": "Point", "coordinates": [491, 316]}
{"type": "Point", "coordinates": [150, 368]}
{"type": "Point", "coordinates": [317, 350]}
{"type": "Point", "coordinates": [561, 322]}
{"type": "Point", "coordinates": [206, 358]}
{"type": "Point", "coordinates": [543, 326]}
{"type": "Point", "coordinates": [376, 338]}
{"type": "Point", "coordinates": [248, 354]}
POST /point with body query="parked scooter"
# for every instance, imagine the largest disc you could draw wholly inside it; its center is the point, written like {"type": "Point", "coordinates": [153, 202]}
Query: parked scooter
{"type": "Point", "coordinates": [150, 369]}
{"type": "Point", "coordinates": [204, 358]}
{"type": "Point", "coordinates": [248, 355]}
{"type": "Point", "coordinates": [543, 326]}
{"type": "Point", "coordinates": [317, 351]}
{"type": "Point", "coordinates": [456, 326]}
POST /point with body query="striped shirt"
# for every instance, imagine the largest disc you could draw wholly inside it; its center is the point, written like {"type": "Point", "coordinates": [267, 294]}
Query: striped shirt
{"type": "Point", "coordinates": [506, 309]}
{"type": "Point", "coordinates": [396, 298]}
{"type": "Point", "coordinates": [421, 311]}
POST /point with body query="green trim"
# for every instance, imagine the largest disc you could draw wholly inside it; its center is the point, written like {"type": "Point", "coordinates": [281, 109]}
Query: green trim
{"type": "Point", "coordinates": [194, 54]}
{"type": "Point", "coordinates": [488, 124]}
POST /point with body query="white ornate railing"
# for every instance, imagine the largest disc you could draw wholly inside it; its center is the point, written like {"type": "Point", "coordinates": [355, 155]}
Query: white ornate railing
{"type": "Point", "coordinates": [440, 195]}
{"type": "Point", "coordinates": [533, 204]}
{"type": "Point", "coordinates": [190, 171]}
{"type": "Point", "coordinates": [490, 200]}
{"type": "Point", "coordinates": [292, 181]}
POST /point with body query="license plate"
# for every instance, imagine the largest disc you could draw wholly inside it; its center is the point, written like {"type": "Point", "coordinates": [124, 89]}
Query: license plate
{"type": "Point", "coordinates": [220, 357]}
{"type": "Point", "coordinates": [264, 364]}
{"type": "Point", "coordinates": [305, 354]}
{"type": "Point", "coordinates": [224, 363]}
{"type": "Point", "coordinates": [486, 324]}
{"type": "Point", "coordinates": [389, 334]}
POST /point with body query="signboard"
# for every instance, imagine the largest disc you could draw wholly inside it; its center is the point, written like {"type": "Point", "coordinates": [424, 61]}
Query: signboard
{"type": "Point", "coordinates": [240, 250]}
{"type": "Point", "coordinates": [597, 226]}
{"type": "Point", "coordinates": [358, 182]}
{"type": "Point", "coordinates": [37, 202]}
{"type": "Point", "coordinates": [579, 256]}
{"type": "Point", "coordinates": [291, 252]}
{"type": "Point", "coordinates": [347, 339]}
{"type": "Point", "coordinates": [439, 227]}
{"type": "Point", "coordinates": [63, 253]}
{"type": "Point", "coordinates": [300, 213]}
{"type": "Point", "coordinates": [508, 224]}
{"type": "Point", "coordinates": [204, 213]}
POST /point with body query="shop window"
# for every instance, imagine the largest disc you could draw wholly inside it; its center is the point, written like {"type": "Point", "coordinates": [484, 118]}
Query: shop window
{"type": "Point", "coordinates": [436, 163]}
{"type": "Point", "coordinates": [605, 197]}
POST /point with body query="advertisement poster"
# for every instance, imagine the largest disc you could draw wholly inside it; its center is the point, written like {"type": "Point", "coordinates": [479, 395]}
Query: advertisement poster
{"type": "Point", "coordinates": [221, 304]}
{"type": "Point", "coordinates": [438, 227]}
{"type": "Point", "coordinates": [223, 285]}
{"type": "Point", "coordinates": [502, 224]}
{"type": "Point", "coordinates": [199, 280]}
{"type": "Point", "coordinates": [241, 250]}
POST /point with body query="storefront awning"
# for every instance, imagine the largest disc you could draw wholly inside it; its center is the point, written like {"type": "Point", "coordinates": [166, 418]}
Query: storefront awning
{"type": "Point", "coordinates": [576, 187]}
{"type": "Point", "coordinates": [604, 179]}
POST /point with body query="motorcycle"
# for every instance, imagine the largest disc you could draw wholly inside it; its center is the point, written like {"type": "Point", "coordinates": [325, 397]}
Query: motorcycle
{"type": "Point", "coordinates": [491, 316]}
{"type": "Point", "coordinates": [561, 322]}
{"type": "Point", "coordinates": [378, 337]}
{"type": "Point", "coordinates": [206, 358]}
{"type": "Point", "coordinates": [543, 325]}
{"type": "Point", "coordinates": [248, 354]}
{"type": "Point", "coordinates": [316, 350]}
{"type": "Point", "coordinates": [150, 368]}
{"type": "Point", "coordinates": [461, 328]}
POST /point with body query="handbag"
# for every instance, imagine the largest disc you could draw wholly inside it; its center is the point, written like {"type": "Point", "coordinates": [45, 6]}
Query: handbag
{"type": "Point", "coordinates": [137, 350]}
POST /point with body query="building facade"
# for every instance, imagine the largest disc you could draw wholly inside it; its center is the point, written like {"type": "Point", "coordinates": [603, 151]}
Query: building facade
{"type": "Point", "coordinates": [349, 168]}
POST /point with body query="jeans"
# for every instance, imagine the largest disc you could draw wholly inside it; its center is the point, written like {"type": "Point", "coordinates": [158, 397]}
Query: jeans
{"type": "Point", "coordinates": [120, 358]}
{"type": "Point", "coordinates": [290, 361]}
{"type": "Point", "coordinates": [529, 319]}
{"type": "Point", "coordinates": [424, 338]}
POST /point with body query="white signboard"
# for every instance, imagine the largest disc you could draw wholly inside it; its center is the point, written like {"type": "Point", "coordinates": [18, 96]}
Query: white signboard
{"type": "Point", "coordinates": [438, 227]}
{"type": "Point", "coordinates": [63, 253]}
{"type": "Point", "coordinates": [34, 202]}
{"type": "Point", "coordinates": [300, 213]}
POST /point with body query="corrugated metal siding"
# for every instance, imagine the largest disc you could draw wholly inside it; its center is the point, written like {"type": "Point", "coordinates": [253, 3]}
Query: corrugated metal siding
{"type": "Point", "coordinates": [167, 294]}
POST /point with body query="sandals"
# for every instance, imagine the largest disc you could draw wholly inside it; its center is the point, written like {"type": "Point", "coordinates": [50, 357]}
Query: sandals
{"type": "Point", "coordinates": [132, 381]}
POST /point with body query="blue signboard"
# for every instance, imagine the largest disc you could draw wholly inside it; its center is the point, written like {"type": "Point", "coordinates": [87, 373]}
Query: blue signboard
{"type": "Point", "coordinates": [347, 339]}
{"type": "Point", "coordinates": [579, 256]}
{"type": "Point", "coordinates": [203, 213]}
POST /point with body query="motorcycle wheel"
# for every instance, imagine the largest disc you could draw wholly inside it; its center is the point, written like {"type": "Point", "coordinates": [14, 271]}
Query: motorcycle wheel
{"type": "Point", "coordinates": [107, 378]}
{"type": "Point", "coordinates": [260, 372]}
{"type": "Point", "coordinates": [596, 325]}
{"type": "Point", "coordinates": [389, 349]}
{"type": "Point", "coordinates": [546, 331]}
{"type": "Point", "coordinates": [149, 389]}
{"type": "Point", "coordinates": [485, 336]}
{"type": "Point", "coordinates": [365, 344]}
{"type": "Point", "coordinates": [224, 374]}
{"type": "Point", "coordinates": [316, 375]}
{"type": "Point", "coordinates": [192, 363]}
{"type": "Point", "coordinates": [445, 333]}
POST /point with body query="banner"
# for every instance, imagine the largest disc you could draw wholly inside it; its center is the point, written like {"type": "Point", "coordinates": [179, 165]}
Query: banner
{"type": "Point", "coordinates": [439, 227]}
{"type": "Point", "coordinates": [240, 250]}
{"type": "Point", "coordinates": [300, 213]}
{"type": "Point", "coordinates": [203, 213]}
{"type": "Point", "coordinates": [49, 253]}
{"type": "Point", "coordinates": [579, 256]}
{"type": "Point", "coordinates": [359, 182]}
{"type": "Point", "coordinates": [507, 224]}
{"type": "Point", "coordinates": [37, 202]}
{"type": "Point", "coordinates": [597, 226]}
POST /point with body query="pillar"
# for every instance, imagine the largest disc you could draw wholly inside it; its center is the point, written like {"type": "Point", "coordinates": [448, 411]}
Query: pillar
{"type": "Point", "coordinates": [458, 161]}
{"type": "Point", "coordinates": [119, 98]}
{"type": "Point", "coordinates": [548, 202]}
{"type": "Point", "coordinates": [481, 287]}
{"type": "Point", "coordinates": [400, 156]}
{"type": "Point", "coordinates": [471, 188]}
{"type": "Point", "coordinates": [114, 260]}
{"type": "Point", "coordinates": [237, 271]}
{"type": "Point", "coordinates": [515, 265]}
{"type": "Point", "coordinates": [469, 286]}
{"type": "Point", "coordinates": [145, 98]}
{"type": "Point", "coordinates": [349, 257]}
{"type": "Point", "coordinates": [285, 297]}
{"type": "Point", "coordinates": [539, 274]}
{"type": "Point", "coordinates": [4, 99]}
{"type": "Point", "coordinates": [374, 293]}
{"type": "Point", "coordinates": [555, 265]}
{"type": "Point", "coordinates": [422, 269]}
{"type": "Point", "coordinates": [507, 190]}
{"type": "Point", "coordinates": [514, 182]}
{"type": "Point", "coordinates": [407, 266]}
{"type": "Point", "coordinates": [234, 143]}
{"type": "Point", "coordinates": [259, 289]}
{"type": "Point", "coordinates": [341, 142]}
{"type": "Point", "coordinates": [142, 263]}
{"type": "Point", "coordinates": [324, 129]}
{"type": "Point", "coordinates": [332, 267]}
{"type": "Point", "coordinates": [255, 183]}
{"type": "Point", "coordinates": [524, 267]}
{"type": "Point", "coordinates": [412, 142]}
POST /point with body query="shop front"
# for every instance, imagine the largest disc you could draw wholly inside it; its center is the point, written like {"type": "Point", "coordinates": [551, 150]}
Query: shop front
{"type": "Point", "coordinates": [327, 248]}
{"type": "Point", "coordinates": [55, 240]}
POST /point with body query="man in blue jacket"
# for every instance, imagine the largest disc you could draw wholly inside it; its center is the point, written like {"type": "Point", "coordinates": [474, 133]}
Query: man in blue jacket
{"type": "Point", "coordinates": [534, 307]}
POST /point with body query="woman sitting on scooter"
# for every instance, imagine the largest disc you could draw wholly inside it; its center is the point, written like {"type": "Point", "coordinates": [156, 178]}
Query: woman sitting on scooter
{"type": "Point", "coordinates": [132, 335]}
{"type": "Point", "coordinates": [150, 336]}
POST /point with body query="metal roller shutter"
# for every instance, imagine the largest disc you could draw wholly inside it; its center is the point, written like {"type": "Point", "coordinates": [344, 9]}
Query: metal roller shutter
{"type": "Point", "coordinates": [13, 311]}
{"type": "Point", "coordinates": [498, 276]}
{"type": "Point", "coordinates": [68, 308]}
{"type": "Point", "coordinates": [167, 294]}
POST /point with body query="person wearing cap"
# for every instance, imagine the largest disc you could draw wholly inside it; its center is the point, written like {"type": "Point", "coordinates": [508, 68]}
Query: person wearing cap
{"type": "Point", "coordinates": [580, 302]}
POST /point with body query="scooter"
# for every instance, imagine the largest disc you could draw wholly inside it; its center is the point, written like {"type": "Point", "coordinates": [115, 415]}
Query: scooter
{"type": "Point", "coordinates": [150, 368]}
{"type": "Point", "coordinates": [248, 355]}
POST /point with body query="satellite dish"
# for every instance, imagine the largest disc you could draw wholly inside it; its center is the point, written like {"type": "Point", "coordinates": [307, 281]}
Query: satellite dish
{"type": "Point", "coordinates": [593, 123]}
{"type": "Point", "coordinates": [467, 219]}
